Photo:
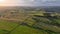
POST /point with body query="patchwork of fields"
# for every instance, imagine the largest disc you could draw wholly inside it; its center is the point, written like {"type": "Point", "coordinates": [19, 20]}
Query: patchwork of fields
{"type": "Point", "coordinates": [32, 22]}
{"type": "Point", "coordinates": [7, 27]}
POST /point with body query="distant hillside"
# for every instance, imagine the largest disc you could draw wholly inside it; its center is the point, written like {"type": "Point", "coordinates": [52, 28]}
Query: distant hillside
{"type": "Point", "coordinates": [45, 8]}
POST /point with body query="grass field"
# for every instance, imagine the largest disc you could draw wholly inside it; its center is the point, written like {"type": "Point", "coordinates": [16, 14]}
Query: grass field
{"type": "Point", "coordinates": [32, 23]}
{"type": "Point", "coordinates": [6, 26]}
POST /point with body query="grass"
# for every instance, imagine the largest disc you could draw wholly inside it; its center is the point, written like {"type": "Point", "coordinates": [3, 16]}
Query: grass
{"type": "Point", "coordinates": [42, 22]}
{"type": "Point", "coordinates": [9, 25]}
{"type": "Point", "coordinates": [27, 30]}
{"type": "Point", "coordinates": [6, 25]}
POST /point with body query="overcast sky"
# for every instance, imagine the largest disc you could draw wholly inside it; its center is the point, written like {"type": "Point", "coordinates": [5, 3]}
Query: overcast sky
{"type": "Point", "coordinates": [32, 3]}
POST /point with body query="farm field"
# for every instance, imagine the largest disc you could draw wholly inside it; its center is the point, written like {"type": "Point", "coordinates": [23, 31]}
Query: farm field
{"type": "Point", "coordinates": [23, 21]}
{"type": "Point", "coordinates": [6, 26]}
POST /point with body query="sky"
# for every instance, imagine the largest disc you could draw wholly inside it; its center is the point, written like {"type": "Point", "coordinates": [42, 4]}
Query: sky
{"type": "Point", "coordinates": [30, 3]}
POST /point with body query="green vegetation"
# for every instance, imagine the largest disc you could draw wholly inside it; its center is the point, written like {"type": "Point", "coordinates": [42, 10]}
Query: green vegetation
{"type": "Point", "coordinates": [29, 22]}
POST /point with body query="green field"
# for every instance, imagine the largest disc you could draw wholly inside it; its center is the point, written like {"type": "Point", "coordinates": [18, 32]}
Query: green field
{"type": "Point", "coordinates": [6, 26]}
{"type": "Point", "coordinates": [30, 26]}
{"type": "Point", "coordinates": [34, 22]}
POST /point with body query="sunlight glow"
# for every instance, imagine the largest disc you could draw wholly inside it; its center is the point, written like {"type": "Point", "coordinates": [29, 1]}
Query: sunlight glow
{"type": "Point", "coordinates": [1, 1]}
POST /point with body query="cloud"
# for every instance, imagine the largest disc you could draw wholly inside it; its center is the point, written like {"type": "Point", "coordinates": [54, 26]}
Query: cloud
{"type": "Point", "coordinates": [42, 2]}
{"type": "Point", "coordinates": [33, 2]}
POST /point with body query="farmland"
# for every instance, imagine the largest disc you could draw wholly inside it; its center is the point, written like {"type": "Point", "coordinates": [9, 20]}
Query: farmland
{"type": "Point", "coordinates": [23, 21]}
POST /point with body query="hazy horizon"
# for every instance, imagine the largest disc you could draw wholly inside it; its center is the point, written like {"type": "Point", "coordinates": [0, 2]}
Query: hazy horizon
{"type": "Point", "coordinates": [29, 2]}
